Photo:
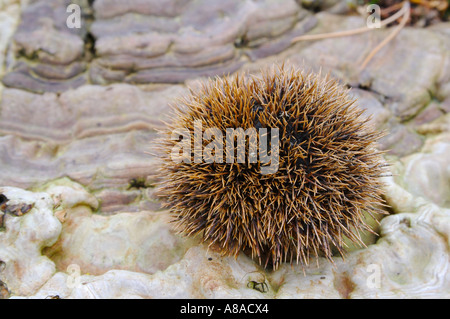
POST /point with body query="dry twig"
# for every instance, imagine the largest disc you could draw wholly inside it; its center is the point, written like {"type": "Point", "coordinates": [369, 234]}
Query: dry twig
{"type": "Point", "coordinates": [404, 12]}
{"type": "Point", "coordinates": [310, 37]}
{"type": "Point", "coordinates": [392, 35]}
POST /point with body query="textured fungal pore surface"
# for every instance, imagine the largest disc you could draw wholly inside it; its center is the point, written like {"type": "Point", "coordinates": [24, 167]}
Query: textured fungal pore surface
{"type": "Point", "coordinates": [298, 192]}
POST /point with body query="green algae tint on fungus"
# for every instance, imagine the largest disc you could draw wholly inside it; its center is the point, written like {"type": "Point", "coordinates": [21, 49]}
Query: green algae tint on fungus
{"type": "Point", "coordinates": [327, 177]}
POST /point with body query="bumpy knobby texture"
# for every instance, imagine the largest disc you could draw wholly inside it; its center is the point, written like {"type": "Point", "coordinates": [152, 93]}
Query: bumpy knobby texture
{"type": "Point", "coordinates": [326, 174]}
{"type": "Point", "coordinates": [146, 41]}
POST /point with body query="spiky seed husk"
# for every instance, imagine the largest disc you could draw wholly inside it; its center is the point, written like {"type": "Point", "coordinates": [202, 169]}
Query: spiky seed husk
{"type": "Point", "coordinates": [328, 174]}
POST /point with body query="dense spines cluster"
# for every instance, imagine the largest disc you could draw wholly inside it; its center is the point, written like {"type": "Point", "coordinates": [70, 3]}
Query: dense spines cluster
{"type": "Point", "coordinates": [327, 177]}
